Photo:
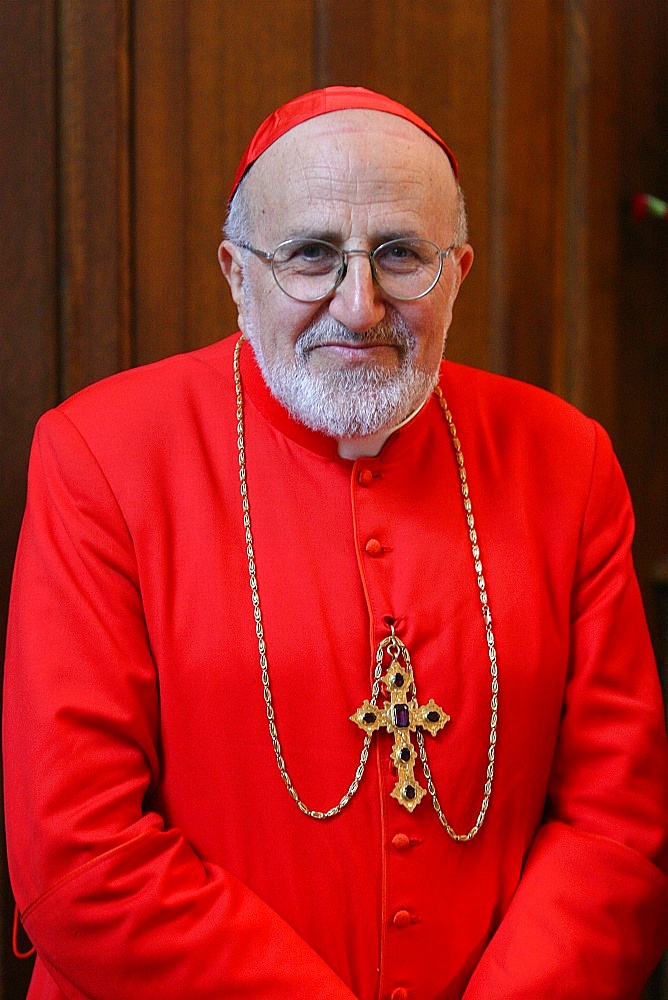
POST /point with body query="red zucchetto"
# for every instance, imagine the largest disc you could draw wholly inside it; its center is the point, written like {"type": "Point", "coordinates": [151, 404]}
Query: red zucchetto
{"type": "Point", "coordinates": [320, 102]}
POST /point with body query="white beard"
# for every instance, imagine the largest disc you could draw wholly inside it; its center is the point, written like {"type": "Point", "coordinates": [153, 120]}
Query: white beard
{"type": "Point", "coordinates": [348, 402]}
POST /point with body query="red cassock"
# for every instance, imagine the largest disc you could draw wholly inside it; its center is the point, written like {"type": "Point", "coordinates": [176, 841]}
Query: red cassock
{"type": "Point", "coordinates": [154, 849]}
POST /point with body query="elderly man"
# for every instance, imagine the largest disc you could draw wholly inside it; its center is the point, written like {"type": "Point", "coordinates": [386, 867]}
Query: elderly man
{"type": "Point", "coordinates": [327, 671]}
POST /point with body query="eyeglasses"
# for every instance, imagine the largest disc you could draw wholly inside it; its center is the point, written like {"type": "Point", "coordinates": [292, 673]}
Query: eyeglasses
{"type": "Point", "coordinates": [310, 270]}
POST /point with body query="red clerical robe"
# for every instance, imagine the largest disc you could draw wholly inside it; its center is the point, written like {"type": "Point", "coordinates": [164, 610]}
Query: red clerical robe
{"type": "Point", "coordinates": [154, 849]}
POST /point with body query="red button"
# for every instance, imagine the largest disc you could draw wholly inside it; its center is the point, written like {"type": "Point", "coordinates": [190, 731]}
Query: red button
{"type": "Point", "coordinates": [373, 547]}
{"type": "Point", "coordinates": [365, 477]}
{"type": "Point", "coordinates": [401, 919]}
{"type": "Point", "coordinates": [401, 993]}
{"type": "Point", "coordinates": [401, 841]}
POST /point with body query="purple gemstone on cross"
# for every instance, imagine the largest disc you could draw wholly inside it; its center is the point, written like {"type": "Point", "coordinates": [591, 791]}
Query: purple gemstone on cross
{"type": "Point", "coordinates": [401, 716]}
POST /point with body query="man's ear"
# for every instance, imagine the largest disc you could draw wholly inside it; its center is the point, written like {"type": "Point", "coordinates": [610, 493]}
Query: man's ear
{"type": "Point", "coordinates": [463, 261]}
{"type": "Point", "coordinates": [230, 259]}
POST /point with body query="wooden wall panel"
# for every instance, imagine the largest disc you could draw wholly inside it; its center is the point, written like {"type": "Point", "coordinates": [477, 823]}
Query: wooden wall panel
{"type": "Point", "coordinates": [534, 220]}
{"type": "Point", "coordinates": [571, 343]}
{"type": "Point", "coordinates": [93, 190]}
{"type": "Point", "coordinates": [159, 178]}
{"type": "Point", "coordinates": [209, 90]}
{"type": "Point", "coordinates": [466, 68]}
{"type": "Point", "coordinates": [606, 210]}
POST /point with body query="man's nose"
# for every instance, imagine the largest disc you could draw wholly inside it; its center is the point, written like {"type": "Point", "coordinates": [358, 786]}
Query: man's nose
{"type": "Point", "coordinates": [358, 301]}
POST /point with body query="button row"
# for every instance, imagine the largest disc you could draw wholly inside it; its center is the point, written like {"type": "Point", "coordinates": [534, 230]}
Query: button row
{"type": "Point", "coordinates": [401, 841]}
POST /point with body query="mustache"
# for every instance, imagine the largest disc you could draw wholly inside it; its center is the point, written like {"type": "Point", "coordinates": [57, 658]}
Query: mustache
{"type": "Point", "coordinates": [391, 331]}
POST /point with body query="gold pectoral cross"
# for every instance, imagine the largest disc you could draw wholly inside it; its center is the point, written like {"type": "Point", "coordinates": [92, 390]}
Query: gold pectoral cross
{"type": "Point", "coordinates": [401, 715]}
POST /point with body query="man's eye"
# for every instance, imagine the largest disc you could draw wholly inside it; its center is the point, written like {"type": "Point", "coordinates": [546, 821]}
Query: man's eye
{"type": "Point", "coordinates": [312, 251]}
{"type": "Point", "coordinates": [399, 256]}
{"type": "Point", "coordinates": [400, 251]}
{"type": "Point", "coordinates": [311, 255]}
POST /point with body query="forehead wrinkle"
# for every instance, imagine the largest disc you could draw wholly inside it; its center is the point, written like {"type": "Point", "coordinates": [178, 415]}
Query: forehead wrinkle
{"type": "Point", "coordinates": [368, 187]}
{"type": "Point", "coordinates": [355, 169]}
{"type": "Point", "coordinates": [332, 200]}
{"type": "Point", "coordinates": [338, 212]}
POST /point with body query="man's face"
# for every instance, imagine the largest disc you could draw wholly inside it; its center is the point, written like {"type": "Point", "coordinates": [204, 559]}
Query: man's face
{"type": "Point", "coordinates": [359, 361]}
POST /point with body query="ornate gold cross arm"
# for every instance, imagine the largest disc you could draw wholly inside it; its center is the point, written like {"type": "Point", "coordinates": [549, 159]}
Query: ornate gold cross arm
{"type": "Point", "coordinates": [402, 715]}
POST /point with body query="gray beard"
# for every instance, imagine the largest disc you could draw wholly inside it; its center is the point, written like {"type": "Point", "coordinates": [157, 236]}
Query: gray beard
{"type": "Point", "coordinates": [349, 402]}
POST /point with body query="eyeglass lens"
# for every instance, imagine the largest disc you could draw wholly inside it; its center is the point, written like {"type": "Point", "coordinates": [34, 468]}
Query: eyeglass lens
{"type": "Point", "coordinates": [309, 270]}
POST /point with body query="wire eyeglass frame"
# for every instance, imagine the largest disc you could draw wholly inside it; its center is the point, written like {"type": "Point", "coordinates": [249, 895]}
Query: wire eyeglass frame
{"type": "Point", "coordinates": [341, 271]}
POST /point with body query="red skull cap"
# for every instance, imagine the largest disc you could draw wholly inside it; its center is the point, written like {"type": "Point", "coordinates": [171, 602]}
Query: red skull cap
{"type": "Point", "coordinates": [320, 102]}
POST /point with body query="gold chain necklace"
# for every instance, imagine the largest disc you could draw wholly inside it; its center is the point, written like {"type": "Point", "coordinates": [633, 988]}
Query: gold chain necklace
{"type": "Point", "coordinates": [402, 714]}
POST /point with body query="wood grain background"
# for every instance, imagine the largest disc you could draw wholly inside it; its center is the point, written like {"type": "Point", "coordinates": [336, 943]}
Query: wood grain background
{"type": "Point", "coordinates": [121, 123]}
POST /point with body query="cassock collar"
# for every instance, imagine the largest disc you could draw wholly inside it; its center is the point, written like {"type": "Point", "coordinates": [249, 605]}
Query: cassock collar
{"type": "Point", "coordinates": [404, 438]}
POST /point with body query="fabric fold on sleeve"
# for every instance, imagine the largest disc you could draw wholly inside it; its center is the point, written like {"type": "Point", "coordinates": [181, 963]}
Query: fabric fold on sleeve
{"type": "Point", "coordinates": [588, 915]}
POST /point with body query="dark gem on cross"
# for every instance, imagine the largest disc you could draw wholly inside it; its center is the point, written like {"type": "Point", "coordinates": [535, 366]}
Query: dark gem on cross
{"type": "Point", "coordinates": [405, 754]}
{"type": "Point", "coordinates": [369, 718]}
{"type": "Point", "coordinates": [401, 716]}
{"type": "Point", "coordinates": [409, 792]}
{"type": "Point", "coordinates": [398, 680]}
{"type": "Point", "coordinates": [433, 716]}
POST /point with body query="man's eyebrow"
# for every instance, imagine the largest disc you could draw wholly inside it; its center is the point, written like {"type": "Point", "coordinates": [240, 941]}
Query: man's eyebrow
{"type": "Point", "coordinates": [385, 235]}
{"type": "Point", "coordinates": [375, 238]}
{"type": "Point", "coordinates": [313, 233]}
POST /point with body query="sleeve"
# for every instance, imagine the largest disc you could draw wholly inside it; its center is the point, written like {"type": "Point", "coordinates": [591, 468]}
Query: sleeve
{"type": "Point", "coordinates": [590, 915]}
{"type": "Point", "coordinates": [116, 904]}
